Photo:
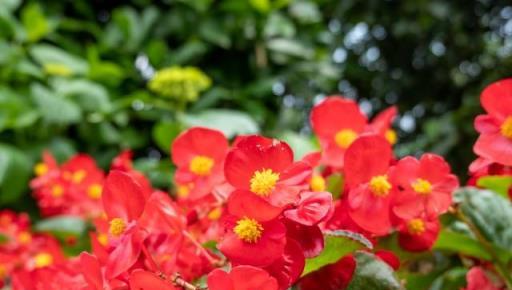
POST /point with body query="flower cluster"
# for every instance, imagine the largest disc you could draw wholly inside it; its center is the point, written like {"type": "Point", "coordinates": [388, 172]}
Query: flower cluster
{"type": "Point", "coordinates": [180, 83]}
{"type": "Point", "coordinates": [248, 214]}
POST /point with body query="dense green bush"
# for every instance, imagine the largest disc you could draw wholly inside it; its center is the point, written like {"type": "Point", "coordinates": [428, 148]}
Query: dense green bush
{"type": "Point", "coordinates": [74, 74]}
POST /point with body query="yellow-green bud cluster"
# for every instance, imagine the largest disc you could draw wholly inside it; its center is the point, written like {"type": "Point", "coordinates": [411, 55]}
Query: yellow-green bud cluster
{"type": "Point", "coordinates": [180, 83]}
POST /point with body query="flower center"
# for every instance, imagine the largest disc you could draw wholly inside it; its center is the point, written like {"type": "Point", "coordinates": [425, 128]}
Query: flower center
{"type": "Point", "coordinates": [94, 191]}
{"type": "Point", "coordinates": [78, 176]}
{"type": "Point", "coordinates": [103, 239]}
{"type": "Point", "coordinates": [345, 137]}
{"type": "Point", "coordinates": [380, 186]}
{"type": "Point", "coordinates": [117, 227]}
{"type": "Point", "coordinates": [183, 190]}
{"type": "Point", "coordinates": [248, 230]}
{"type": "Point", "coordinates": [57, 191]}
{"type": "Point", "coordinates": [215, 214]}
{"type": "Point", "coordinates": [416, 226]}
{"type": "Point", "coordinates": [422, 186]}
{"type": "Point", "coordinates": [201, 165]}
{"type": "Point", "coordinates": [263, 181]}
{"type": "Point", "coordinates": [506, 128]}
{"type": "Point", "coordinates": [42, 260]}
{"type": "Point", "coordinates": [317, 183]}
{"type": "Point", "coordinates": [24, 237]}
{"type": "Point", "coordinates": [40, 169]}
{"type": "Point", "coordinates": [391, 136]}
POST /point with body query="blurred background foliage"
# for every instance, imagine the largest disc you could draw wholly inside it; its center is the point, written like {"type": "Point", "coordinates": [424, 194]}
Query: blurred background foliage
{"type": "Point", "coordinates": [75, 75]}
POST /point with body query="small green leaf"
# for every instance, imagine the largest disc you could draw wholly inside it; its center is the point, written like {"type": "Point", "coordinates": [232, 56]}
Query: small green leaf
{"type": "Point", "coordinates": [230, 122]}
{"type": "Point", "coordinates": [337, 245]}
{"type": "Point", "coordinates": [34, 22]}
{"type": "Point", "coordinates": [373, 273]}
{"type": "Point", "coordinates": [15, 170]}
{"type": "Point", "coordinates": [55, 108]}
{"type": "Point", "coordinates": [461, 243]}
{"type": "Point", "coordinates": [335, 184]}
{"type": "Point", "coordinates": [50, 56]}
{"type": "Point", "coordinates": [62, 224]}
{"type": "Point", "coordinates": [496, 183]}
{"type": "Point", "coordinates": [164, 133]}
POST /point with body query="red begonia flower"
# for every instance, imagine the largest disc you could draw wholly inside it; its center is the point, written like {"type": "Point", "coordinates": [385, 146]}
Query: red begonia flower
{"type": "Point", "coordinates": [426, 185]}
{"type": "Point", "coordinates": [478, 280]}
{"type": "Point", "coordinates": [143, 280]}
{"type": "Point", "coordinates": [337, 122]}
{"type": "Point", "coordinates": [310, 238]}
{"type": "Point", "coordinates": [419, 233]}
{"type": "Point", "coordinates": [265, 167]}
{"type": "Point", "coordinates": [241, 278]}
{"type": "Point", "coordinates": [253, 237]}
{"type": "Point", "coordinates": [335, 276]}
{"type": "Point", "coordinates": [289, 267]}
{"type": "Point", "coordinates": [495, 127]}
{"type": "Point", "coordinates": [199, 155]}
{"type": "Point", "coordinates": [366, 168]}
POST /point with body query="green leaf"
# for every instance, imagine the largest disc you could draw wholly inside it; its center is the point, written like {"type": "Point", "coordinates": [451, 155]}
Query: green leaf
{"type": "Point", "coordinates": [62, 224]}
{"type": "Point", "coordinates": [461, 243]}
{"type": "Point", "coordinates": [290, 47]}
{"type": "Point", "coordinates": [337, 245]}
{"type": "Point", "coordinates": [164, 133]}
{"type": "Point", "coordinates": [48, 55]}
{"type": "Point", "coordinates": [34, 22]}
{"type": "Point", "coordinates": [54, 108]}
{"type": "Point", "coordinates": [91, 96]}
{"type": "Point", "coordinates": [335, 184]}
{"type": "Point", "coordinates": [230, 122]}
{"type": "Point", "coordinates": [496, 183]}
{"type": "Point", "coordinates": [15, 170]}
{"type": "Point", "coordinates": [300, 144]}
{"type": "Point", "coordinates": [490, 214]}
{"type": "Point", "coordinates": [373, 273]}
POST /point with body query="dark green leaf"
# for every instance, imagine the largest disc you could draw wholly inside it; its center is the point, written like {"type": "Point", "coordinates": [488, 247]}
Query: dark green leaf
{"type": "Point", "coordinates": [373, 273]}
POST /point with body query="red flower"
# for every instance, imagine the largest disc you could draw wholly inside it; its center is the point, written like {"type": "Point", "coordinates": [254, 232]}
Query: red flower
{"type": "Point", "coordinates": [381, 124]}
{"type": "Point", "coordinates": [143, 280]}
{"type": "Point", "coordinates": [266, 168]}
{"type": "Point", "coordinates": [254, 236]}
{"type": "Point", "coordinates": [309, 238]}
{"type": "Point", "coordinates": [124, 203]}
{"type": "Point", "coordinates": [241, 278]}
{"type": "Point", "coordinates": [370, 190]}
{"type": "Point", "coordinates": [199, 155]}
{"type": "Point", "coordinates": [495, 127]}
{"type": "Point", "coordinates": [418, 233]}
{"type": "Point", "coordinates": [337, 122]}
{"type": "Point", "coordinates": [425, 185]}
{"type": "Point", "coordinates": [289, 267]}
{"type": "Point", "coordinates": [478, 280]}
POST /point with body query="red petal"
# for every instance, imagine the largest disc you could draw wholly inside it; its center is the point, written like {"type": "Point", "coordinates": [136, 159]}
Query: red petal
{"type": "Point", "coordinates": [142, 280]}
{"type": "Point", "coordinates": [310, 239]}
{"type": "Point", "coordinates": [494, 147]}
{"type": "Point", "coordinates": [220, 280]}
{"type": "Point", "coordinates": [382, 122]}
{"type": "Point", "coordinates": [335, 114]}
{"type": "Point", "coordinates": [487, 124]}
{"type": "Point", "coordinates": [368, 156]}
{"type": "Point", "coordinates": [162, 214]}
{"type": "Point", "coordinates": [497, 98]}
{"type": "Point", "coordinates": [370, 212]}
{"type": "Point", "coordinates": [198, 141]}
{"type": "Point", "coordinates": [312, 208]}
{"type": "Point", "coordinates": [422, 242]}
{"type": "Point", "coordinates": [122, 196]}
{"type": "Point", "coordinates": [288, 268]}
{"type": "Point", "coordinates": [90, 267]}
{"type": "Point", "coordinates": [243, 203]}
{"type": "Point", "coordinates": [124, 255]}
{"type": "Point", "coordinates": [331, 277]}
{"type": "Point", "coordinates": [251, 278]}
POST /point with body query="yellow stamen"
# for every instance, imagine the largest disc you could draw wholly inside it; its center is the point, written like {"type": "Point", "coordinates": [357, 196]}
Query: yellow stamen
{"type": "Point", "coordinates": [345, 137]}
{"type": "Point", "coordinates": [43, 259]}
{"type": "Point", "coordinates": [57, 191]}
{"type": "Point", "coordinates": [248, 230]}
{"type": "Point", "coordinates": [94, 191]}
{"type": "Point", "coordinates": [24, 237]}
{"type": "Point", "coordinates": [317, 183]}
{"type": "Point", "coordinates": [506, 128]}
{"type": "Point", "coordinates": [422, 186]}
{"type": "Point", "coordinates": [183, 190]}
{"type": "Point", "coordinates": [3, 272]}
{"type": "Point", "coordinates": [380, 186]}
{"type": "Point", "coordinates": [416, 226]}
{"type": "Point", "coordinates": [201, 165]}
{"type": "Point", "coordinates": [78, 176]}
{"type": "Point", "coordinates": [215, 214]}
{"type": "Point", "coordinates": [40, 169]}
{"type": "Point", "coordinates": [391, 136]}
{"type": "Point", "coordinates": [117, 227]}
{"type": "Point", "coordinates": [264, 181]}
{"type": "Point", "coordinates": [103, 239]}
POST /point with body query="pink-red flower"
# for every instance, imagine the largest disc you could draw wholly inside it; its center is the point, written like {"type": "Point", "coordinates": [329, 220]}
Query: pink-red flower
{"type": "Point", "coordinates": [266, 168]}
{"type": "Point", "coordinates": [495, 127]}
